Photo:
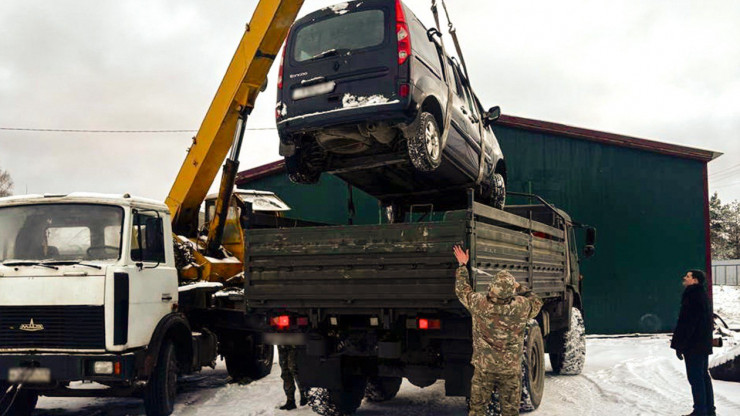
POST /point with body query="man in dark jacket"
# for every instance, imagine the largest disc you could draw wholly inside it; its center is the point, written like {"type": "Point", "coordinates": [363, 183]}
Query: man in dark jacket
{"type": "Point", "coordinates": [692, 341]}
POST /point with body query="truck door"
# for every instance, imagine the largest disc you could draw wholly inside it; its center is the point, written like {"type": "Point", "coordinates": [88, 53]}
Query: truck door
{"type": "Point", "coordinates": [153, 282]}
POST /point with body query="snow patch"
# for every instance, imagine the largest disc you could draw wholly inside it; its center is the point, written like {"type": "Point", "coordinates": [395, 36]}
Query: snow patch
{"type": "Point", "coordinates": [725, 357]}
{"type": "Point", "coordinates": [336, 111]}
{"type": "Point", "coordinates": [281, 109]}
{"type": "Point", "coordinates": [229, 291]}
{"type": "Point", "coordinates": [199, 285]}
{"type": "Point", "coordinates": [340, 8]}
{"type": "Point", "coordinates": [351, 101]}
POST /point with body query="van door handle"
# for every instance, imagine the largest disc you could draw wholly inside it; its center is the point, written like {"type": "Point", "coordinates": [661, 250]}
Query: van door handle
{"type": "Point", "coordinates": [464, 111]}
{"type": "Point", "coordinates": [166, 297]}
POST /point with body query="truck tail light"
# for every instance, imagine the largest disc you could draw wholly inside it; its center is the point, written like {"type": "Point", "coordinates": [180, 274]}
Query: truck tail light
{"type": "Point", "coordinates": [280, 322]}
{"type": "Point", "coordinates": [425, 323]}
{"type": "Point", "coordinates": [302, 321]}
{"type": "Point", "coordinates": [117, 368]}
{"type": "Point", "coordinates": [404, 36]}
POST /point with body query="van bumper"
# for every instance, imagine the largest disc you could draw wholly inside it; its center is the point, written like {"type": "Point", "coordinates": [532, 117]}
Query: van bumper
{"type": "Point", "coordinates": [394, 112]}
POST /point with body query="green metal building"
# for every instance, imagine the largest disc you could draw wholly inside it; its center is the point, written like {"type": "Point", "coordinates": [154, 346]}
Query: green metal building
{"type": "Point", "coordinates": [648, 201]}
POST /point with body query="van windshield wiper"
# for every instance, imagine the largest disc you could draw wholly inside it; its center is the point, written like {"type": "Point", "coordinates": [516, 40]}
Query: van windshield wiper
{"type": "Point", "coordinates": [28, 263]}
{"type": "Point", "coordinates": [330, 52]}
{"type": "Point", "coordinates": [70, 263]}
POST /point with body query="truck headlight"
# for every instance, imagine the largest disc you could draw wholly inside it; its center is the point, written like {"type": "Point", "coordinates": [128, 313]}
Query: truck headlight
{"type": "Point", "coordinates": [103, 367]}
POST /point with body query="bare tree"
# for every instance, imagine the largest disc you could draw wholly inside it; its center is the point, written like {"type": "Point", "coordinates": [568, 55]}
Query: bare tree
{"type": "Point", "coordinates": [6, 183]}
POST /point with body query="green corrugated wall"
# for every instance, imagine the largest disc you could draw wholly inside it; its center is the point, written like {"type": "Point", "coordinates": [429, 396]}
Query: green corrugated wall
{"type": "Point", "coordinates": [647, 208]}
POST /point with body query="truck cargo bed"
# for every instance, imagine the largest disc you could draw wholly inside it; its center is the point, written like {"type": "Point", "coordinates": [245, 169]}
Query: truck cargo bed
{"type": "Point", "coordinates": [402, 266]}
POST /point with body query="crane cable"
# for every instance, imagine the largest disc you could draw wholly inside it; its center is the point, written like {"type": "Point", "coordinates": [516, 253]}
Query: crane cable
{"type": "Point", "coordinates": [473, 100]}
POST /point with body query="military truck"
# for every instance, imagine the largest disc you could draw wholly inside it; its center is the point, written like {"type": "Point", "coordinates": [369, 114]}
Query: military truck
{"type": "Point", "coordinates": [366, 305]}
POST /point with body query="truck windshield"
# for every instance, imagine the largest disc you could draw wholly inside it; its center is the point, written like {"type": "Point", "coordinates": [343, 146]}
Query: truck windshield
{"type": "Point", "coordinates": [339, 33]}
{"type": "Point", "coordinates": [58, 232]}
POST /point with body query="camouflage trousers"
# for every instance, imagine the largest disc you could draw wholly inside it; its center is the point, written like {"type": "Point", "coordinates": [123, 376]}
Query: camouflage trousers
{"type": "Point", "coordinates": [289, 370]}
{"type": "Point", "coordinates": [482, 385]}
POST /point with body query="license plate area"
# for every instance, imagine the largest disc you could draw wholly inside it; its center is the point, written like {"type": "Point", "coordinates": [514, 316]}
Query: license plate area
{"type": "Point", "coordinates": [313, 90]}
{"type": "Point", "coordinates": [29, 375]}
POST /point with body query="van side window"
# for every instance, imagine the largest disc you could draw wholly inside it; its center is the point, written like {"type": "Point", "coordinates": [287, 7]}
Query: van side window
{"type": "Point", "coordinates": [469, 99]}
{"type": "Point", "coordinates": [151, 238]}
{"type": "Point", "coordinates": [425, 48]}
{"type": "Point", "coordinates": [457, 85]}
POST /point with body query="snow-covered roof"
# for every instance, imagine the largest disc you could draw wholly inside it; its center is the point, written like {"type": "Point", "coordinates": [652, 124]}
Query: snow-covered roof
{"type": "Point", "coordinates": [85, 197]}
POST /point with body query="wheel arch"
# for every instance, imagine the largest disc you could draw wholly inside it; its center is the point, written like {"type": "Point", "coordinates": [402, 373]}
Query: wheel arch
{"type": "Point", "coordinates": [172, 327]}
{"type": "Point", "coordinates": [431, 105]}
{"type": "Point", "coordinates": [501, 168]}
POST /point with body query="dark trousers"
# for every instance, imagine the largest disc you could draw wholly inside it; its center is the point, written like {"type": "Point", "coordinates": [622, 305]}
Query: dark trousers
{"type": "Point", "coordinates": [697, 371]}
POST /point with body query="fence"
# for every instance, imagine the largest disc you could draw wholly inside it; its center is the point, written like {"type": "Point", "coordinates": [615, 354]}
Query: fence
{"type": "Point", "coordinates": [726, 272]}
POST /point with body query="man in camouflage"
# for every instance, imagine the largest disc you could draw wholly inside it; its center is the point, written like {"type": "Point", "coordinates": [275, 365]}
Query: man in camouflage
{"type": "Point", "coordinates": [289, 374]}
{"type": "Point", "coordinates": [499, 320]}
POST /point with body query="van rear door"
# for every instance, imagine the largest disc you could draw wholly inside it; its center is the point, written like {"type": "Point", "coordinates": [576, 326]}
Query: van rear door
{"type": "Point", "coordinates": [340, 57]}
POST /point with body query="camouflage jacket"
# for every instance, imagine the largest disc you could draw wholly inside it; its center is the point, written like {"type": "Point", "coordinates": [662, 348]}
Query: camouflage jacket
{"type": "Point", "coordinates": [498, 324]}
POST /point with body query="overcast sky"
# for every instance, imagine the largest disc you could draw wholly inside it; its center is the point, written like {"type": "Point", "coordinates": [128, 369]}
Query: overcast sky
{"type": "Point", "coordinates": [667, 70]}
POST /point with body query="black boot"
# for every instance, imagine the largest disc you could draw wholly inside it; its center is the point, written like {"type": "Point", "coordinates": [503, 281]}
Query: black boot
{"type": "Point", "coordinates": [289, 405]}
{"type": "Point", "coordinates": [304, 398]}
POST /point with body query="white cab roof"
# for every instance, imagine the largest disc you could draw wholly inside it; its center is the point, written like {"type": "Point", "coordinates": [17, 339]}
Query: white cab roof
{"type": "Point", "coordinates": [85, 197]}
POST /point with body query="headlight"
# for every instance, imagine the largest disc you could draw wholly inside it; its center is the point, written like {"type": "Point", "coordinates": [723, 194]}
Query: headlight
{"type": "Point", "coordinates": [103, 367]}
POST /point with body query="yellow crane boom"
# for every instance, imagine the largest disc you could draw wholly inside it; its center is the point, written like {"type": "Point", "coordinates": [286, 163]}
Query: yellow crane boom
{"type": "Point", "coordinates": [224, 123]}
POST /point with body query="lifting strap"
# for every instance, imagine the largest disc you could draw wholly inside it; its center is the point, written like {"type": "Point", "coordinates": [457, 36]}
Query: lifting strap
{"type": "Point", "coordinates": [453, 33]}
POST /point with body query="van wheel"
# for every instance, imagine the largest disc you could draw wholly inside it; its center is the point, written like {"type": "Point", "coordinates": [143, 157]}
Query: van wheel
{"type": "Point", "coordinates": [533, 368]}
{"type": "Point", "coordinates": [380, 389]}
{"type": "Point", "coordinates": [425, 147]}
{"type": "Point", "coordinates": [498, 191]}
{"type": "Point", "coordinates": [17, 403]}
{"type": "Point", "coordinates": [161, 390]}
{"type": "Point", "coordinates": [568, 348]}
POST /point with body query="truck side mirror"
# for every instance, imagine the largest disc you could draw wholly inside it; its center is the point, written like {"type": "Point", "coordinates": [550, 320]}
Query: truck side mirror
{"type": "Point", "coordinates": [492, 114]}
{"type": "Point", "coordinates": [590, 247]}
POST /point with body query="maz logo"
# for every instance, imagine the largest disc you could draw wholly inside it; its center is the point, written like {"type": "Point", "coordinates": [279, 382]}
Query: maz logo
{"type": "Point", "coordinates": [31, 327]}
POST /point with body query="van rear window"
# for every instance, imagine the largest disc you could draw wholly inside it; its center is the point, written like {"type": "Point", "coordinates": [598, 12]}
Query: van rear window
{"type": "Point", "coordinates": [346, 32]}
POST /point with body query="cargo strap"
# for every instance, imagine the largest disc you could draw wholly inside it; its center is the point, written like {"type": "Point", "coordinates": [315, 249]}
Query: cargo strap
{"type": "Point", "coordinates": [453, 33]}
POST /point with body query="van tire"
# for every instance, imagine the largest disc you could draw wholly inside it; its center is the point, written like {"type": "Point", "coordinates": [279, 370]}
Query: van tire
{"type": "Point", "coordinates": [424, 146]}
{"type": "Point", "coordinates": [21, 404]}
{"type": "Point", "coordinates": [498, 191]}
{"type": "Point", "coordinates": [161, 390]}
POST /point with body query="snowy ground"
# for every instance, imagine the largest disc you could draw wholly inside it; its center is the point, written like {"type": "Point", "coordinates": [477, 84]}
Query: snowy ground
{"type": "Point", "coordinates": [635, 375]}
{"type": "Point", "coordinates": [727, 304]}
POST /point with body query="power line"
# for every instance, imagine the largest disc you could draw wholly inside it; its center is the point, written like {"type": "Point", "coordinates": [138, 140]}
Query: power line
{"type": "Point", "coordinates": [111, 131]}
{"type": "Point", "coordinates": [725, 170]}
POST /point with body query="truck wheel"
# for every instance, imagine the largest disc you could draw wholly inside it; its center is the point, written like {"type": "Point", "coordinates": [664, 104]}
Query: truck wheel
{"type": "Point", "coordinates": [425, 147]}
{"type": "Point", "coordinates": [380, 389]}
{"type": "Point", "coordinates": [533, 368]}
{"type": "Point", "coordinates": [498, 191]}
{"type": "Point", "coordinates": [17, 403]}
{"type": "Point", "coordinates": [161, 390]}
{"type": "Point", "coordinates": [338, 402]}
{"type": "Point", "coordinates": [254, 366]}
{"type": "Point", "coordinates": [568, 348]}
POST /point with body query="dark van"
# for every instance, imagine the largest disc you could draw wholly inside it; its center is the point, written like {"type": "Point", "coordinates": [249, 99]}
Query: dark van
{"type": "Point", "coordinates": [363, 93]}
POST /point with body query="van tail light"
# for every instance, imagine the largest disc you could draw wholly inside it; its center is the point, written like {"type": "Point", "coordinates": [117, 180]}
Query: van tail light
{"type": "Point", "coordinates": [280, 69]}
{"type": "Point", "coordinates": [425, 323]}
{"type": "Point", "coordinates": [404, 37]}
{"type": "Point", "coordinates": [280, 322]}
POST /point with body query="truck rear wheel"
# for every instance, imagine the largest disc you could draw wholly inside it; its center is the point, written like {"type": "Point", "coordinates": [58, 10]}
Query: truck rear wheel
{"type": "Point", "coordinates": [568, 347]}
{"type": "Point", "coordinates": [533, 368]}
{"type": "Point", "coordinates": [17, 402]}
{"type": "Point", "coordinates": [424, 146]}
{"type": "Point", "coordinates": [253, 363]}
{"type": "Point", "coordinates": [339, 402]}
{"type": "Point", "coordinates": [380, 389]}
{"type": "Point", "coordinates": [161, 390]}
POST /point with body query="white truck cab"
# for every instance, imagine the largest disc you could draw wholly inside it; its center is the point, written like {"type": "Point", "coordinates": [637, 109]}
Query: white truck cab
{"type": "Point", "coordinates": [89, 291]}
